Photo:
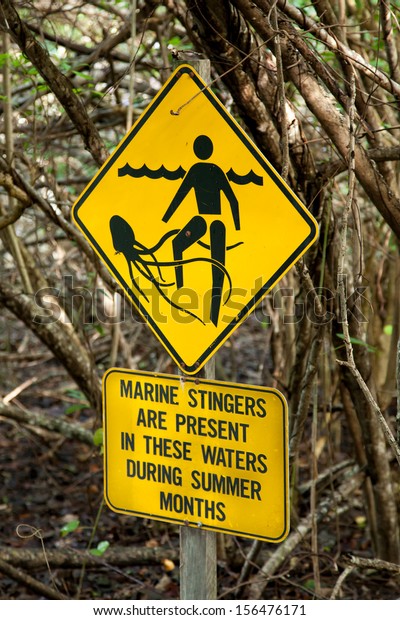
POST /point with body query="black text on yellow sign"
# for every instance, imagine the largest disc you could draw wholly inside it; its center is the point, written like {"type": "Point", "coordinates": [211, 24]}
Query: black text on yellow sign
{"type": "Point", "coordinates": [196, 452]}
{"type": "Point", "coordinates": [192, 220]}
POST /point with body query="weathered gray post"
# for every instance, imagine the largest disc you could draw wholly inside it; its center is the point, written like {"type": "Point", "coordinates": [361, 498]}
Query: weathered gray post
{"type": "Point", "coordinates": [198, 551]}
{"type": "Point", "coordinates": [198, 548]}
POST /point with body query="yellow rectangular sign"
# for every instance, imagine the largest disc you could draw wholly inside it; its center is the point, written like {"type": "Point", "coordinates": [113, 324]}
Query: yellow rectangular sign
{"type": "Point", "coordinates": [197, 452]}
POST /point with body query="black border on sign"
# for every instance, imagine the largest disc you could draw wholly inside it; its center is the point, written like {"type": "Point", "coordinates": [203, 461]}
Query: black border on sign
{"type": "Point", "coordinates": [245, 311]}
{"type": "Point", "coordinates": [197, 382]}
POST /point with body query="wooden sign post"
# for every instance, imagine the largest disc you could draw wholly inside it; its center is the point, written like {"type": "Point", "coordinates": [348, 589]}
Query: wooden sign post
{"type": "Point", "coordinates": [198, 548]}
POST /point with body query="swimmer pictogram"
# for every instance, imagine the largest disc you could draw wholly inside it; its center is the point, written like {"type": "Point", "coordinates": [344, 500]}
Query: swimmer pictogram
{"type": "Point", "coordinates": [208, 182]}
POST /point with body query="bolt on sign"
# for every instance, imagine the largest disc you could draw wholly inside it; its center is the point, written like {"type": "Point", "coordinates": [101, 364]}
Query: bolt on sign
{"type": "Point", "coordinates": [196, 452]}
{"type": "Point", "coordinates": [192, 220]}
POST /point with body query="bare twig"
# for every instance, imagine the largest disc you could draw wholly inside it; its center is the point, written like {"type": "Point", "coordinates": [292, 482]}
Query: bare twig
{"type": "Point", "coordinates": [353, 562]}
{"type": "Point", "coordinates": [68, 557]}
{"type": "Point", "coordinates": [313, 494]}
{"type": "Point", "coordinates": [59, 84]}
{"type": "Point", "coordinates": [57, 425]}
{"type": "Point", "coordinates": [340, 581]}
{"type": "Point", "coordinates": [306, 393]}
{"type": "Point", "coordinates": [325, 509]}
{"type": "Point", "coordinates": [398, 394]}
{"type": "Point", "coordinates": [375, 407]}
{"type": "Point", "coordinates": [374, 563]}
{"type": "Point", "coordinates": [282, 98]}
{"type": "Point", "coordinates": [30, 582]}
{"type": "Point", "coordinates": [390, 43]}
{"type": "Point", "coordinates": [307, 23]}
{"type": "Point", "coordinates": [344, 227]}
{"type": "Point", "coordinates": [350, 363]}
{"type": "Point", "coordinates": [13, 241]}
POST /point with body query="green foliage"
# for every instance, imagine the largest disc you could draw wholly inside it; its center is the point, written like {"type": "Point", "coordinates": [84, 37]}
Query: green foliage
{"type": "Point", "coordinates": [78, 406]}
{"type": "Point", "coordinates": [99, 329]}
{"type": "Point", "coordinates": [74, 393]}
{"type": "Point", "coordinates": [361, 522]}
{"type": "Point", "coordinates": [310, 584]}
{"type": "Point", "coordinates": [3, 59]}
{"type": "Point", "coordinates": [70, 527]}
{"type": "Point", "coordinates": [358, 342]}
{"type": "Point", "coordinates": [101, 548]}
{"type": "Point", "coordinates": [75, 408]}
{"type": "Point", "coordinates": [98, 437]}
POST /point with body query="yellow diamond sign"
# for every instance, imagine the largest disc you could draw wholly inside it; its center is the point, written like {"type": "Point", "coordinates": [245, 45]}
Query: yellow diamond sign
{"type": "Point", "coordinates": [192, 220]}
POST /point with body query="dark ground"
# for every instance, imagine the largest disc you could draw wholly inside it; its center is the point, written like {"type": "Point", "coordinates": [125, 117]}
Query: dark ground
{"type": "Point", "coordinates": [47, 481]}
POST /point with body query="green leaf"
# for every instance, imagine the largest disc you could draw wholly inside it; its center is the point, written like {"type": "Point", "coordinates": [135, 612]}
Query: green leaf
{"type": "Point", "coordinates": [310, 584]}
{"type": "Point", "coordinates": [175, 41]}
{"type": "Point", "coordinates": [98, 437]}
{"type": "Point", "coordinates": [75, 394]}
{"type": "Point", "coordinates": [69, 527]}
{"type": "Point", "coordinates": [73, 408]}
{"type": "Point", "coordinates": [101, 548]}
{"type": "Point", "coordinates": [85, 76]}
{"type": "Point", "coordinates": [359, 342]}
{"type": "Point", "coordinates": [3, 59]}
{"type": "Point", "coordinates": [361, 522]}
{"type": "Point", "coordinates": [388, 330]}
